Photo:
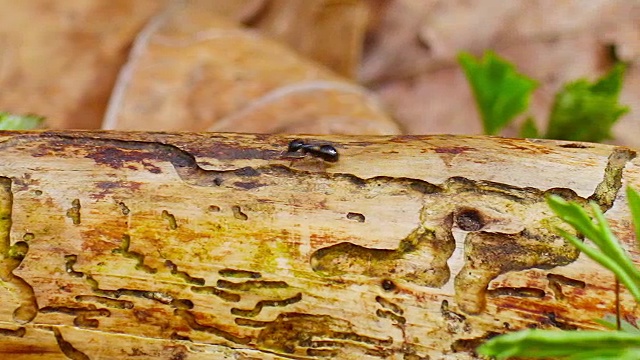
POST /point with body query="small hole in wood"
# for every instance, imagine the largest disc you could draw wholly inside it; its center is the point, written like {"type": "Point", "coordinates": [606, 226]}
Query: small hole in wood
{"type": "Point", "coordinates": [238, 214]}
{"type": "Point", "coordinates": [469, 220]}
{"type": "Point", "coordinates": [576, 146]}
{"type": "Point", "coordinates": [355, 216]}
{"type": "Point", "coordinates": [388, 285]}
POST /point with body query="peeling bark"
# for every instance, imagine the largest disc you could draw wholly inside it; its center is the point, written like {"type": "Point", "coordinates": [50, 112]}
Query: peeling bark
{"type": "Point", "coordinates": [205, 245]}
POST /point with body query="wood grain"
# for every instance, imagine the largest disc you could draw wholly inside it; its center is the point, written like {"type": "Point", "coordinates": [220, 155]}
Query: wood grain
{"type": "Point", "coordinates": [220, 245]}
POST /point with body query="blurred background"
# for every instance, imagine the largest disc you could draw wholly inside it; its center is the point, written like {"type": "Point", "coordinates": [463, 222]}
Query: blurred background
{"type": "Point", "coordinates": [312, 66]}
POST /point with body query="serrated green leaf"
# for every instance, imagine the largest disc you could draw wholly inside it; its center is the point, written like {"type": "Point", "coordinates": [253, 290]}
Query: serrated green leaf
{"type": "Point", "coordinates": [583, 111]}
{"type": "Point", "coordinates": [501, 93]}
{"type": "Point", "coordinates": [529, 129]}
{"type": "Point", "coordinates": [611, 83]}
{"type": "Point", "coordinates": [10, 121]}
{"type": "Point", "coordinates": [535, 343]}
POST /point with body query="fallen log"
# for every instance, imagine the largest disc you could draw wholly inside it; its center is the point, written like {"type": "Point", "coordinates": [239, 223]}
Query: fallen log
{"type": "Point", "coordinates": [220, 245]}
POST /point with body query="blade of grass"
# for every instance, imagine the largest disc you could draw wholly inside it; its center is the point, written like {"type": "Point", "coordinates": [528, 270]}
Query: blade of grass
{"type": "Point", "coordinates": [579, 345]}
{"type": "Point", "coordinates": [611, 246]}
{"type": "Point", "coordinates": [605, 261]}
{"type": "Point", "coordinates": [574, 215]}
{"type": "Point", "coordinates": [536, 343]}
{"type": "Point", "coordinates": [609, 321]}
{"type": "Point", "coordinates": [634, 205]}
{"type": "Point", "coordinates": [609, 252]}
{"type": "Point", "coordinates": [608, 354]}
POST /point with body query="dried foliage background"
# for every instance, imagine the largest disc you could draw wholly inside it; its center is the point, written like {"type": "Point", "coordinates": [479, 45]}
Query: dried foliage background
{"type": "Point", "coordinates": [313, 66]}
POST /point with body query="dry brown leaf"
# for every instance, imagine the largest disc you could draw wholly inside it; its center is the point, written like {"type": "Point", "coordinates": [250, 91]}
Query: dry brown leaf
{"type": "Point", "coordinates": [394, 50]}
{"type": "Point", "coordinates": [60, 59]}
{"type": "Point", "coordinates": [441, 101]}
{"type": "Point", "coordinates": [435, 102]}
{"type": "Point", "coordinates": [410, 60]}
{"type": "Point", "coordinates": [330, 32]}
{"type": "Point", "coordinates": [412, 57]}
{"type": "Point", "coordinates": [193, 70]}
{"type": "Point", "coordinates": [243, 11]}
{"type": "Point", "coordinates": [625, 40]}
{"type": "Point", "coordinates": [627, 131]}
{"type": "Point", "coordinates": [416, 36]}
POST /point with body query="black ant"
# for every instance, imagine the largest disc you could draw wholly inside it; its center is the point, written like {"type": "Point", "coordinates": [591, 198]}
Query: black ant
{"type": "Point", "coordinates": [325, 152]}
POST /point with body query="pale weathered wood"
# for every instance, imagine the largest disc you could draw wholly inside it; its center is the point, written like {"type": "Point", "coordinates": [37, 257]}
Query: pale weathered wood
{"type": "Point", "coordinates": [206, 246]}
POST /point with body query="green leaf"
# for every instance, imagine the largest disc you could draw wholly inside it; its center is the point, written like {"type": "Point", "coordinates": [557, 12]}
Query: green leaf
{"type": "Point", "coordinates": [611, 83]}
{"type": "Point", "coordinates": [607, 354]}
{"type": "Point", "coordinates": [535, 343]}
{"type": "Point", "coordinates": [501, 93]}
{"type": "Point", "coordinates": [19, 122]}
{"type": "Point", "coordinates": [610, 322]}
{"type": "Point", "coordinates": [634, 206]}
{"type": "Point", "coordinates": [529, 129]}
{"type": "Point", "coordinates": [583, 111]}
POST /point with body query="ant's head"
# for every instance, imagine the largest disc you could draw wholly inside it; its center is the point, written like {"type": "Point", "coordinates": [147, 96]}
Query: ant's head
{"type": "Point", "coordinates": [296, 145]}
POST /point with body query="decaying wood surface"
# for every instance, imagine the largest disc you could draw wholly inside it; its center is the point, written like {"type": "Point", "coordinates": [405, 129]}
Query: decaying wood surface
{"type": "Point", "coordinates": [206, 246]}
